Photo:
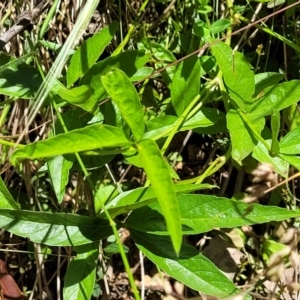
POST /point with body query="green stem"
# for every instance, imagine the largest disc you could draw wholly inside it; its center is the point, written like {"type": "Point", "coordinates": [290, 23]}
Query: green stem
{"type": "Point", "coordinates": [179, 122]}
{"type": "Point", "coordinates": [48, 19]}
{"type": "Point", "coordinates": [215, 166]}
{"type": "Point", "coordinates": [188, 113]}
{"type": "Point", "coordinates": [251, 127]}
{"type": "Point", "coordinates": [4, 113]}
{"type": "Point", "coordinates": [111, 221]}
{"type": "Point", "coordinates": [229, 29]}
{"type": "Point", "coordinates": [271, 32]}
{"type": "Point", "coordinates": [131, 30]}
{"type": "Point", "coordinates": [10, 144]}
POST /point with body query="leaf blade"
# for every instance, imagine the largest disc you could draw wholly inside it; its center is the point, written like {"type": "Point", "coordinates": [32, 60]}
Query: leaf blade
{"type": "Point", "coordinates": [6, 199]}
{"type": "Point", "coordinates": [139, 197]}
{"type": "Point", "coordinates": [203, 213]}
{"type": "Point", "coordinates": [81, 273]}
{"type": "Point", "coordinates": [57, 229]}
{"type": "Point", "coordinates": [237, 74]}
{"type": "Point", "coordinates": [124, 94]}
{"type": "Point", "coordinates": [276, 97]}
{"type": "Point", "coordinates": [158, 173]}
{"type": "Point", "coordinates": [83, 139]}
{"type": "Point", "coordinates": [185, 84]}
{"type": "Point", "coordinates": [88, 53]}
{"type": "Point", "coordinates": [190, 267]}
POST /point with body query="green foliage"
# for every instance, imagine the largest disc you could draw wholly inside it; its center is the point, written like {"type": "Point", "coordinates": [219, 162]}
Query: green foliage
{"type": "Point", "coordinates": [88, 53]}
{"type": "Point", "coordinates": [81, 273]}
{"type": "Point", "coordinates": [58, 229]}
{"type": "Point", "coordinates": [202, 213]}
{"type": "Point", "coordinates": [250, 115]}
{"type": "Point", "coordinates": [208, 278]}
{"type": "Point", "coordinates": [185, 84]}
{"type": "Point", "coordinates": [88, 138]}
{"type": "Point", "coordinates": [159, 175]}
{"type": "Point", "coordinates": [123, 93]}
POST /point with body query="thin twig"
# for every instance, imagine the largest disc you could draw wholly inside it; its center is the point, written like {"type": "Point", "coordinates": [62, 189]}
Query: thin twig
{"type": "Point", "coordinates": [24, 19]}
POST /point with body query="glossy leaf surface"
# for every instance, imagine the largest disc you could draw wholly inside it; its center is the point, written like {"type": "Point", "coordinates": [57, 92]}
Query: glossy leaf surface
{"type": "Point", "coordinates": [264, 80]}
{"type": "Point", "coordinates": [290, 144]}
{"type": "Point", "coordinates": [204, 118]}
{"type": "Point", "coordinates": [261, 153]}
{"type": "Point", "coordinates": [190, 267]}
{"type": "Point", "coordinates": [81, 273]}
{"type": "Point", "coordinates": [242, 147]}
{"type": "Point", "coordinates": [185, 84]}
{"type": "Point", "coordinates": [291, 159]}
{"type": "Point", "coordinates": [88, 53]}
{"type": "Point", "coordinates": [82, 96]}
{"type": "Point", "coordinates": [237, 74]}
{"type": "Point", "coordinates": [88, 138]}
{"type": "Point", "coordinates": [129, 62]}
{"type": "Point", "coordinates": [21, 82]}
{"type": "Point", "coordinates": [54, 229]}
{"type": "Point", "coordinates": [157, 171]}
{"type": "Point", "coordinates": [219, 26]}
{"type": "Point", "coordinates": [276, 97]}
{"type": "Point", "coordinates": [140, 197]}
{"type": "Point", "coordinates": [59, 167]}
{"type": "Point", "coordinates": [6, 199]}
{"type": "Point", "coordinates": [124, 94]}
{"type": "Point", "coordinates": [203, 213]}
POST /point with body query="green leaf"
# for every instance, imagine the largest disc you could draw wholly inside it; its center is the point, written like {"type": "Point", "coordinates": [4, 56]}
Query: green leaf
{"type": "Point", "coordinates": [57, 229]}
{"type": "Point", "coordinates": [157, 171]}
{"type": "Point", "coordinates": [160, 127]}
{"type": "Point", "coordinates": [163, 56]}
{"type": "Point", "coordinates": [103, 194]}
{"type": "Point", "coordinates": [140, 197]}
{"type": "Point", "coordinates": [205, 9]}
{"type": "Point", "coordinates": [7, 62]}
{"type": "Point", "coordinates": [186, 84]}
{"type": "Point", "coordinates": [291, 159]}
{"type": "Point", "coordinates": [242, 147]}
{"type": "Point", "coordinates": [219, 26]}
{"type": "Point", "coordinates": [190, 267]}
{"type": "Point", "coordinates": [82, 96]}
{"type": "Point", "coordinates": [207, 64]}
{"type": "Point", "coordinates": [142, 73]}
{"type": "Point", "coordinates": [54, 46]}
{"type": "Point", "coordinates": [22, 82]}
{"type": "Point", "coordinates": [276, 97]}
{"type": "Point", "coordinates": [81, 273]}
{"type": "Point", "coordinates": [203, 213]}
{"type": "Point", "coordinates": [237, 74]}
{"type": "Point", "coordinates": [291, 116]}
{"type": "Point", "coordinates": [261, 153]}
{"type": "Point", "coordinates": [200, 29]}
{"type": "Point", "coordinates": [124, 94]}
{"type": "Point", "coordinates": [59, 167]}
{"type": "Point", "coordinates": [204, 118]}
{"type": "Point", "coordinates": [6, 199]}
{"type": "Point", "coordinates": [129, 62]}
{"type": "Point", "coordinates": [88, 53]}
{"type": "Point", "coordinates": [290, 144]}
{"type": "Point", "coordinates": [264, 80]}
{"type": "Point", "coordinates": [88, 138]}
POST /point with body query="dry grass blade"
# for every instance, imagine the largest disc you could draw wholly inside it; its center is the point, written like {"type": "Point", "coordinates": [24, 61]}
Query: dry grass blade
{"type": "Point", "coordinates": [60, 62]}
